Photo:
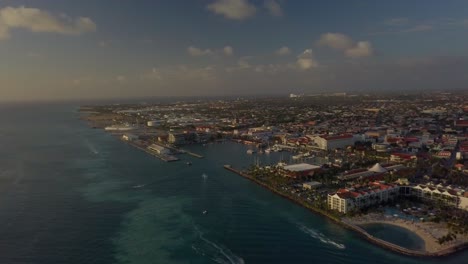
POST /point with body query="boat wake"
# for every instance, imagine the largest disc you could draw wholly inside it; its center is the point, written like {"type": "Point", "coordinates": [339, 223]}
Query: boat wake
{"type": "Point", "coordinates": [216, 252]}
{"type": "Point", "coordinates": [90, 146]}
{"type": "Point", "coordinates": [317, 235]}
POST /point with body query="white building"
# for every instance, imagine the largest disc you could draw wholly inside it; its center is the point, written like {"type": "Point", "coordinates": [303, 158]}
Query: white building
{"type": "Point", "coordinates": [129, 137]}
{"type": "Point", "coordinates": [334, 142]}
{"type": "Point", "coordinates": [444, 194]}
{"type": "Point", "coordinates": [345, 200]}
{"type": "Point", "coordinates": [159, 149]}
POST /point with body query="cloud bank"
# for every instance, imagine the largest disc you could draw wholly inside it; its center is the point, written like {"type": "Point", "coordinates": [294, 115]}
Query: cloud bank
{"type": "Point", "coordinates": [341, 42]}
{"type": "Point", "coordinates": [233, 9]}
{"type": "Point", "coordinates": [40, 21]}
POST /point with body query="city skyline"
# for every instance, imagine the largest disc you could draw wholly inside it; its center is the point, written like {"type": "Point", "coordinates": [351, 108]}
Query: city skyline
{"type": "Point", "coordinates": [92, 50]}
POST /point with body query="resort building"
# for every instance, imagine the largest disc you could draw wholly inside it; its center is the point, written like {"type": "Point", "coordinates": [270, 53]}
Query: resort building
{"type": "Point", "coordinates": [360, 196]}
{"type": "Point", "coordinates": [374, 193]}
{"type": "Point", "coordinates": [444, 194]}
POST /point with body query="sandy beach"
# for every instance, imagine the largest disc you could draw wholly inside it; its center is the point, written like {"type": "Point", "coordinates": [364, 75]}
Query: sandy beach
{"type": "Point", "coordinates": [429, 232]}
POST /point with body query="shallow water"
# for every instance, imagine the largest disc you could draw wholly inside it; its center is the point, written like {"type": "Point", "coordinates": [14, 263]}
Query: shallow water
{"type": "Point", "coordinates": [396, 235]}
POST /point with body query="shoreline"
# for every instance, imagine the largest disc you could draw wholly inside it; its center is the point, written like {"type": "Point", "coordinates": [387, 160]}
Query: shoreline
{"type": "Point", "coordinates": [441, 251]}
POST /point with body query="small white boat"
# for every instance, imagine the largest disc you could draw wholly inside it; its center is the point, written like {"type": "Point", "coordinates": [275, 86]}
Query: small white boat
{"type": "Point", "coordinates": [267, 151]}
{"type": "Point", "coordinates": [139, 186]}
{"type": "Point", "coordinates": [250, 151]}
{"type": "Point", "coordinates": [205, 212]}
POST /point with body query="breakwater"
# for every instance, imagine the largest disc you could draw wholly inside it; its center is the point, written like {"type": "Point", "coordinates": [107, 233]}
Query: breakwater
{"type": "Point", "coordinates": [363, 233]}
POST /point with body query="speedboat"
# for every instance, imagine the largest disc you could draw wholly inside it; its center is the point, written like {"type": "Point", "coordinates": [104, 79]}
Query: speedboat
{"type": "Point", "coordinates": [139, 186]}
{"type": "Point", "coordinates": [205, 212]}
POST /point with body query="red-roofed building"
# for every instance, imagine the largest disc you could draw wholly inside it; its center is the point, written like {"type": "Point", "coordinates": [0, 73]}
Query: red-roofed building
{"type": "Point", "coordinates": [345, 200]}
{"type": "Point", "coordinates": [461, 123]}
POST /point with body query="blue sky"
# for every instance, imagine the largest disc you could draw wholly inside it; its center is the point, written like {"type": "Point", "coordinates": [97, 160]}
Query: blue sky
{"type": "Point", "coordinates": [121, 48]}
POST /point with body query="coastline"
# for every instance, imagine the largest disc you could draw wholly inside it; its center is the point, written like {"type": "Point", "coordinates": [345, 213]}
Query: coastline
{"type": "Point", "coordinates": [432, 248]}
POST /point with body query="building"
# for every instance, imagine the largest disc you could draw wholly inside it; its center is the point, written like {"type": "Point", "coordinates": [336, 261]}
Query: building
{"type": "Point", "coordinates": [375, 170]}
{"type": "Point", "coordinates": [347, 199]}
{"type": "Point", "coordinates": [360, 196]}
{"type": "Point", "coordinates": [159, 149]}
{"type": "Point", "coordinates": [299, 170]}
{"type": "Point", "coordinates": [444, 194]}
{"type": "Point", "coordinates": [311, 185]}
{"type": "Point", "coordinates": [176, 138]}
{"type": "Point", "coordinates": [129, 137]}
{"type": "Point", "coordinates": [153, 123]}
{"type": "Point", "coordinates": [333, 142]}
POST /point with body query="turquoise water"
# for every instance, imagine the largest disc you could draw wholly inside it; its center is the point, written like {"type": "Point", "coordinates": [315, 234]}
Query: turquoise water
{"type": "Point", "coordinates": [68, 195]}
{"type": "Point", "coordinates": [396, 235]}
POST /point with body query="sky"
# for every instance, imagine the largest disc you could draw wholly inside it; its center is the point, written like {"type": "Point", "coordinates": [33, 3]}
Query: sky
{"type": "Point", "coordinates": [96, 49]}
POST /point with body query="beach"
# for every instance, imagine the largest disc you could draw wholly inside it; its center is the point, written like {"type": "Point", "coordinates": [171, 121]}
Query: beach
{"type": "Point", "coordinates": [429, 232]}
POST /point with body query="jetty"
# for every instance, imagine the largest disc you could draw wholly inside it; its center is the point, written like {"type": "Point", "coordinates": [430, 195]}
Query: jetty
{"type": "Point", "coordinates": [363, 233]}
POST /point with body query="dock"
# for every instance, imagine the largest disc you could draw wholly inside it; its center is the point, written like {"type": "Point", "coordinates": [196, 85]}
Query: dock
{"type": "Point", "coordinates": [182, 151]}
{"type": "Point", "coordinates": [167, 158]}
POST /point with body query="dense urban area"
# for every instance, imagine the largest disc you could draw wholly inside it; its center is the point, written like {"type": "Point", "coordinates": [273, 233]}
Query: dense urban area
{"type": "Point", "coordinates": [357, 158]}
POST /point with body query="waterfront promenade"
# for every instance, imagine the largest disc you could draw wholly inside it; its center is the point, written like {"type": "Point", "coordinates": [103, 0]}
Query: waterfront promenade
{"type": "Point", "coordinates": [432, 248]}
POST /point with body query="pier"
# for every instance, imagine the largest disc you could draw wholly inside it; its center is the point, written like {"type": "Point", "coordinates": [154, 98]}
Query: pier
{"type": "Point", "coordinates": [166, 158]}
{"type": "Point", "coordinates": [363, 233]}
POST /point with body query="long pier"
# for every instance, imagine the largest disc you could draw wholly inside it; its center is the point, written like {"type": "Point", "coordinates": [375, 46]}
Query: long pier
{"type": "Point", "coordinates": [183, 151]}
{"type": "Point", "coordinates": [364, 234]}
{"type": "Point", "coordinates": [161, 157]}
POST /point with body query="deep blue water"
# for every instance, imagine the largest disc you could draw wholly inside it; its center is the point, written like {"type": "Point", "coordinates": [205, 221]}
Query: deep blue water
{"type": "Point", "coordinates": [67, 196]}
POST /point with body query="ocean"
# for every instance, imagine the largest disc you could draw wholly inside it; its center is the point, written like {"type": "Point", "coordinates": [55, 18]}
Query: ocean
{"type": "Point", "coordinates": [72, 194]}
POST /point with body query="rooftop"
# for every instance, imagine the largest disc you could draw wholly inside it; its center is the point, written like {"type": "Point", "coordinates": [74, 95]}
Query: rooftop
{"type": "Point", "coordinates": [301, 167]}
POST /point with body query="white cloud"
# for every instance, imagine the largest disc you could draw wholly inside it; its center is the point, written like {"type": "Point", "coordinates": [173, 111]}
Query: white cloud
{"type": "Point", "coordinates": [399, 21]}
{"type": "Point", "coordinates": [362, 49]}
{"type": "Point", "coordinates": [344, 43]}
{"type": "Point", "coordinates": [273, 8]}
{"type": "Point", "coordinates": [336, 41]}
{"type": "Point", "coordinates": [233, 9]}
{"type": "Point", "coordinates": [196, 52]}
{"type": "Point", "coordinates": [244, 63]}
{"type": "Point", "coordinates": [36, 20]}
{"type": "Point", "coordinates": [228, 50]}
{"type": "Point", "coordinates": [283, 51]}
{"type": "Point", "coordinates": [306, 60]}
{"type": "Point", "coordinates": [418, 28]}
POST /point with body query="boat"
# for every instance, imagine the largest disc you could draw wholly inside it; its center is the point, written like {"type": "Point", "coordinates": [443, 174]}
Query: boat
{"type": "Point", "coordinates": [250, 151]}
{"type": "Point", "coordinates": [205, 212]}
{"type": "Point", "coordinates": [189, 163]}
{"type": "Point", "coordinates": [267, 151]}
{"type": "Point", "coordinates": [139, 186]}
